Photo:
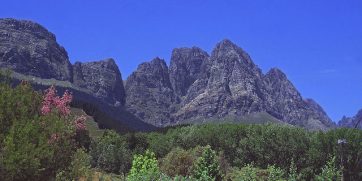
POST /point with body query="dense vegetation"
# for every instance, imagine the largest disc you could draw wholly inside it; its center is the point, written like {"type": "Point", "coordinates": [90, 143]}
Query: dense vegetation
{"type": "Point", "coordinates": [41, 139]}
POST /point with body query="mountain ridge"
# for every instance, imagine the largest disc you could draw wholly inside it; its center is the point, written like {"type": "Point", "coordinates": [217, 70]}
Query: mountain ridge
{"type": "Point", "coordinates": [352, 122]}
{"type": "Point", "coordinates": [227, 83]}
{"type": "Point", "coordinates": [195, 85]}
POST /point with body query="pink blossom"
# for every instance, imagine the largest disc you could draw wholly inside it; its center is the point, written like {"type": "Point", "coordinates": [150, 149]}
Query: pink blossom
{"type": "Point", "coordinates": [45, 109]}
{"type": "Point", "coordinates": [79, 123]}
{"type": "Point", "coordinates": [49, 97]}
{"type": "Point", "coordinates": [62, 104]}
{"type": "Point", "coordinates": [51, 100]}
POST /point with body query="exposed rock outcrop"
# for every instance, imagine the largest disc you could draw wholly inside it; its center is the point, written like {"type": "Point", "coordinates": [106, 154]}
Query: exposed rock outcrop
{"type": "Point", "coordinates": [28, 48]}
{"type": "Point", "coordinates": [195, 86]}
{"type": "Point", "coordinates": [285, 103]}
{"type": "Point", "coordinates": [102, 78]}
{"type": "Point", "coordinates": [226, 84]}
{"type": "Point", "coordinates": [351, 122]}
{"type": "Point", "coordinates": [230, 85]}
{"type": "Point", "coordinates": [33, 54]}
{"type": "Point", "coordinates": [149, 93]}
{"type": "Point", "coordinates": [185, 68]}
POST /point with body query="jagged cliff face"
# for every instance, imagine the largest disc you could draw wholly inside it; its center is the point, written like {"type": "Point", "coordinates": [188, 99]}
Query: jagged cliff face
{"type": "Point", "coordinates": [28, 48]}
{"type": "Point", "coordinates": [185, 68]}
{"type": "Point", "coordinates": [227, 83]}
{"type": "Point", "coordinates": [351, 122]}
{"type": "Point", "coordinates": [149, 93]}
{"type": "Point", "coordinates": [32, 53]}
{"type": "Point", "coordinates": [284, 102]}
{"type": "Point", "coordinates": [196, 86]}
{"type": "Point", "coordinates": [102, 78]}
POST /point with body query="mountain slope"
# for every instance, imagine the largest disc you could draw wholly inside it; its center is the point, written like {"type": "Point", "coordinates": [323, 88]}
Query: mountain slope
{"type": "Point", "coordinates": [29, 48]}
{"type": "Point", "coordinates": [225, 84]}
{"type": "Point", "coordinates": [33, 54]}
{"type": "Point", "coordinates": [351, 122]}
{"type": "Point", "coordinates": [196, 86]}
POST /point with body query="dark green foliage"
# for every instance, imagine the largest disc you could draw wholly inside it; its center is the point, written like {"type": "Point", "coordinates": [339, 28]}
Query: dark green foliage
{"type": "Point", "coordinates": [23, 147]}
{"type": "Point", "coordinates": [273, 145]}
{"type": "Point", "coordinates": [33, 146]}
{"type": "Point", "coordinates": [83, 139]}
{"type": "Point", "coordinates": [18, 104]}
{"type": "Point", "coordinates": [79, 167]}
{"type": "Point", "coordinates": [25, 152]}
{"type": "Point", "coordinates": [137, 142]}
{"type": "Point", "coordinates": [178, 162]}
{"type": "Point", "coordinates": [266, 145]}
{"type": "Point", "coordinates": [39, 147]}
{"type": "Point", "coordinates": [110, 153]}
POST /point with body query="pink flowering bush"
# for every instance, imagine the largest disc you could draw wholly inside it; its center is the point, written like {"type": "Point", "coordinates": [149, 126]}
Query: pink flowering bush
{"type": "Point", "coordinates": [38, 133]}
{"type": "Point", "coordinates": [51, 101]}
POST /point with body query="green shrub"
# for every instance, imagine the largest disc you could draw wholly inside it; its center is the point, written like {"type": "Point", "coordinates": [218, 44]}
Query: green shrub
{"type": "Point", "coordinates": [34, 145]}
{"type": "Point", "coordinates": [81, 164]}
{"type": "Point", "coordinates": [293, 174]}
{"type": "Point", "coordinates": [79, 168]}
{"type": "Point", "coordinates": [329, 172]}
{"type": "Point", "coordinates": [110, 153]}
{"type": "Point", "coordinates": [275, 173]}
{"type": "Point", "coordinates": [144, 167]}
{"type": "Point", "coordinates": [207, 166]}
{"type": "Point", "coordinates": [247, 173]}
{"type": "Point", "coordinates": [178, 162]}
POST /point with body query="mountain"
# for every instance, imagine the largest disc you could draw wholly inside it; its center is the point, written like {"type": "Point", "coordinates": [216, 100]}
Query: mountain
{"type": "Point", "coordinates": [149, 92]}
{"type": "Point", "coordinates": [33, 54]}
{"type": "Point", "coordinates": [102, 78]}
{"type": "Point", "coordinates": [351, 122]}
{"type": "Point", "coordinates": [28, 48]}
{"type": "Point", "coordinates": [225, 85]}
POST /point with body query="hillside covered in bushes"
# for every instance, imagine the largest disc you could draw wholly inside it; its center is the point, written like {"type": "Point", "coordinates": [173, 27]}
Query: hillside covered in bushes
{"type": "Point", "coordinates": [42, 139]}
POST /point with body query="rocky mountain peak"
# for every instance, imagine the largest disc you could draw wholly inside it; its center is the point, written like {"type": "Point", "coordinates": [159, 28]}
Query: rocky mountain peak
{"type": "Point", "coordinates": [195, 86]}
{"type": "Point", "coordinates": [28, 48]}
{"type": "Point", "coordinates": [155, 70]}
{"type": "Point", "coordinates": [276, 73]}
{"type": "Point", "coordinates": [185, 68]}
{"type": "Point", "coordinates": [109, 63]}
{"type": "Point", "coordinates": [351, 122]}
{"type": "Point", "coordinates": [149, 93]}
{"type": "Point", "coordinates": [26, 26]}
{"type": "Point", "coordinates": [155, 64]}
{"type": "Point", "coordinates": [286, 103]}
{"type": "Point", "coordinates": [278, 83]}
{"type": "Point", "coordinates": [102, 78]}
{"type": "Point", "coordinates": [228, 51]}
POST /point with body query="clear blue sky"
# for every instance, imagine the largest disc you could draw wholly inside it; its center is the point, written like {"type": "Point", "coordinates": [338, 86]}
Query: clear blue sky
{"type": "Point", "coordinates": [317, 43]}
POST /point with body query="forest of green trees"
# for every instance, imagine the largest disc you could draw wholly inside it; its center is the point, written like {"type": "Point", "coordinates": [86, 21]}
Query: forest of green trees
{"type": "Point", "coordinates": [41, 139]}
